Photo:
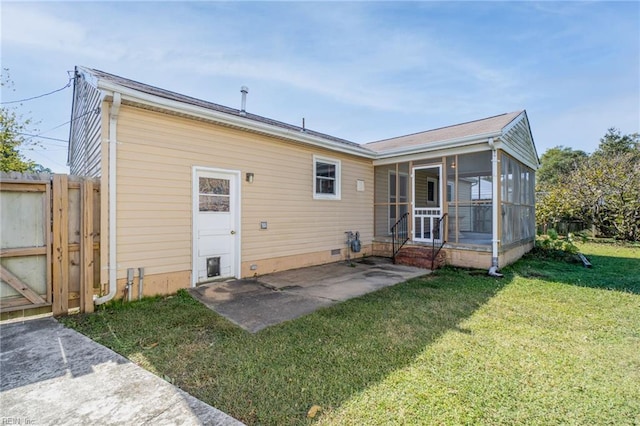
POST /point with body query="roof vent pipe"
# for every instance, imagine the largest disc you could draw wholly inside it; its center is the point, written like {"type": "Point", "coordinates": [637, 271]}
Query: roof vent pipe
{"type": "Point", "coordinates": [244, 90]}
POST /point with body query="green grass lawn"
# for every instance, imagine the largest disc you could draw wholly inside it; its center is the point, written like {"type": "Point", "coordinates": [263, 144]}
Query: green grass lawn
{"type": "Point", "coordinates": [551, 342]}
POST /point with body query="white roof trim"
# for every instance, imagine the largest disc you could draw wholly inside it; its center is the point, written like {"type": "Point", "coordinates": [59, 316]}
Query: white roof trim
{"type": "Point", "coordinates": [513, 123]}
{"type": "Point", "coordinates": [508, 149]}
{"type": "Point", "coordinates": [440, 145]}
{"type": "Point", "coordinates": [478, 146]}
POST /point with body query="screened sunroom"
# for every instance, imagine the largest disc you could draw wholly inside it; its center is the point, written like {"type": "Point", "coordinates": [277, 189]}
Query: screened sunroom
{"type": "Point", "coordinates": [474, 198]}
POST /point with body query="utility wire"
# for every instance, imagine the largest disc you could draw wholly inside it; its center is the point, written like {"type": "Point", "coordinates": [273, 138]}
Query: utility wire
{"type": "Point", "coordinates": [39, 96]}
{"type": "Point", "coordinates": [94, 111]}
{"type": "Point", "coordinates": [43, 137]}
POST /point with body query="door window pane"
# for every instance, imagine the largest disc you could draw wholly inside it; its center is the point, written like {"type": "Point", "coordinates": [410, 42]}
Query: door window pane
{"type": "Point", "coordinates": [213, 194]}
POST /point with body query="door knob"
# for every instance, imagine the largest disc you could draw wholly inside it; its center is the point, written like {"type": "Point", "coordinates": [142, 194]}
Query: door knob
{"type": "Point", "coordinates": [233, 232]}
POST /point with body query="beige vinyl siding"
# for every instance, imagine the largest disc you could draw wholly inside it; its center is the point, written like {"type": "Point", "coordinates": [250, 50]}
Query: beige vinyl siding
{"type": "Point", "coordinates": [85, 134]}
{"type": "Point", "coordinates": [420, 191]}
{"type": "Point", "coordinates": [421, 187]}
{"type": "Point", "coordinates": [156, 153]}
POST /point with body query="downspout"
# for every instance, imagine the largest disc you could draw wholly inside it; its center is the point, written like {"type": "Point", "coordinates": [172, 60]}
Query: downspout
{"type": "Point", "coordinates": [495, 211]}
{"type": "Point", "coordinates": [113, 269]}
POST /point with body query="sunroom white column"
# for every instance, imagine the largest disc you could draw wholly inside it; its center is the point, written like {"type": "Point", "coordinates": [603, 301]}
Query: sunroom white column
{"type": "Point", "coordinates": [495, 204]}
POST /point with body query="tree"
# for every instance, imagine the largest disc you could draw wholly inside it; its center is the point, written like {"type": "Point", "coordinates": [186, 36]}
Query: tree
{"type": "Point", "coordinates": [558, 163]}
{"type": "Point", "coordinates": [552, 207]}
{"type": "Point", "coordinates": [12, 128]}
{"type": "Point", "coordinates": [606, 192]}
{"type": "Point", "coordinates": [614, 143]}
{"type": "Point", "coordinates": [602, 190]}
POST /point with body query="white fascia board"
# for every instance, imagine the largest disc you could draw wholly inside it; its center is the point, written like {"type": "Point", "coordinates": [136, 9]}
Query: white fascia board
{"type": "Point", "coordinates": [88, 76]}
{"type": "Point", "coordinates": [478, 146]}
{"type": "Point", "coordinates": [440, 145]}
{"type": "Point", "coordinates": [521, 117]}
{"type": "Point", "coordinates": [513, 123]}
{"type": "Point", "coordinates": [135, 96]}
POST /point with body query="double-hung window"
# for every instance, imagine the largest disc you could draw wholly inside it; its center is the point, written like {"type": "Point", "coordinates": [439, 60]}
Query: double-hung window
{"type": "Point", "coordinates": [326, 178]}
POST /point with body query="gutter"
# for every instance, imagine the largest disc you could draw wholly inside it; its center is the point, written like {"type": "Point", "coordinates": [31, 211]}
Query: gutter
{"type": "Point", "coordinates": [113, 140]}
{"type": "Point", "coordinates": [434, 146]}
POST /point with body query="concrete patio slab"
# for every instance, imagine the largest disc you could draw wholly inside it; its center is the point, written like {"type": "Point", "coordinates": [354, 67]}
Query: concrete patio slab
{"type": "Point", "coordinates": [53, 375]}
{"type": "Point", "coordinates": [255, 304]}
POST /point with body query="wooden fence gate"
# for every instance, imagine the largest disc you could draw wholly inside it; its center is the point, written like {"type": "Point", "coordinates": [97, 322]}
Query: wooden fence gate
{"type": "Point", "coordinates": [49, 244]}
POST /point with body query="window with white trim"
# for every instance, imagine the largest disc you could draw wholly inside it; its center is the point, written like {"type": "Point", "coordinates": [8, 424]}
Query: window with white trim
{"type": "Point", "coordinates": [326, 178]}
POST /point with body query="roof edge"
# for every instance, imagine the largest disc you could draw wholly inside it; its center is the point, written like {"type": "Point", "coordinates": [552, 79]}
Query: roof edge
{"type": "Point", "coordinates": [286, 131]}
{"type": "Point", "coordinates": [435, 146]}
{"type": "Point", "coordinates": [523, 116]}
{"type": "Point", "coordinates": [108, 84]}
{"type": "Point", "coordinates": [446, 127]}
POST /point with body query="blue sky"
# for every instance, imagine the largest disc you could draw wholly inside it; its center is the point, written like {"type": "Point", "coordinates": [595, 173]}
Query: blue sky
{"type": "Point", "coordinates": [362, 71]}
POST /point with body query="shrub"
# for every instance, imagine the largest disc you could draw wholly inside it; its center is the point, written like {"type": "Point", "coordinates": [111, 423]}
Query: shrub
{"type": "Point", "coordinates": [551, 245]}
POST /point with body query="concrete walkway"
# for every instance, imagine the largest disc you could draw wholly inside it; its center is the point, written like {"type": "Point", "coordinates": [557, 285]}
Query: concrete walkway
{"type": "Point", "coordinates": [50, 374]}
{"type": "Point", "coordinates": [282, 296]}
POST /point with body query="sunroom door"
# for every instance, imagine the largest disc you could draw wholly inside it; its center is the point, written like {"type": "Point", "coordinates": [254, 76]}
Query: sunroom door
{"type": "Point", "coordinates": [427, 202]}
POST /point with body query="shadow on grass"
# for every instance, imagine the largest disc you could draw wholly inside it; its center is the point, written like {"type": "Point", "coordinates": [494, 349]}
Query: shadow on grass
{"type": "Point", "coordinates": [619, 272]}
{"type": "Point", "coordinates": [276, 375]}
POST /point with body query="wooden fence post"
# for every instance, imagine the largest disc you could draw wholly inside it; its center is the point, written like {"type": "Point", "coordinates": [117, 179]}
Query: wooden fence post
{"type": "Point", "coordinates": [60, 195]}
{"type": "Point", "coordinates": [86, 247]}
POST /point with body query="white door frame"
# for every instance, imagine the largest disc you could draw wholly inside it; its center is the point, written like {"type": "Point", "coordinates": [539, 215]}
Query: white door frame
{"type": "Point", "coordinates": [426, 214]}
{"type": "Point", "coordinates": [195, 208]}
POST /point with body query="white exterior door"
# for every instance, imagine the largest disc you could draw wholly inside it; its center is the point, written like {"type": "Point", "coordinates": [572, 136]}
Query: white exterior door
{"type": "Point", "coordinates": [216, 221]}
{"type": "Point", "coordinates": [427, 202]}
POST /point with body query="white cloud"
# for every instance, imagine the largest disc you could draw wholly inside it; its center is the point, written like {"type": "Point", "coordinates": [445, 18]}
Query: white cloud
{"type": "Point", "coordinates": [45, 29]}
{"type": "Point", "coordinates": [26, 25]}
{"type": "Point", "coordinates": [354, 58]}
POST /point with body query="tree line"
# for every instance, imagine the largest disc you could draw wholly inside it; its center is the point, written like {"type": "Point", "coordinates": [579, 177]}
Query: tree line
{"type": "Point", "coordinates": [601, 190]}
